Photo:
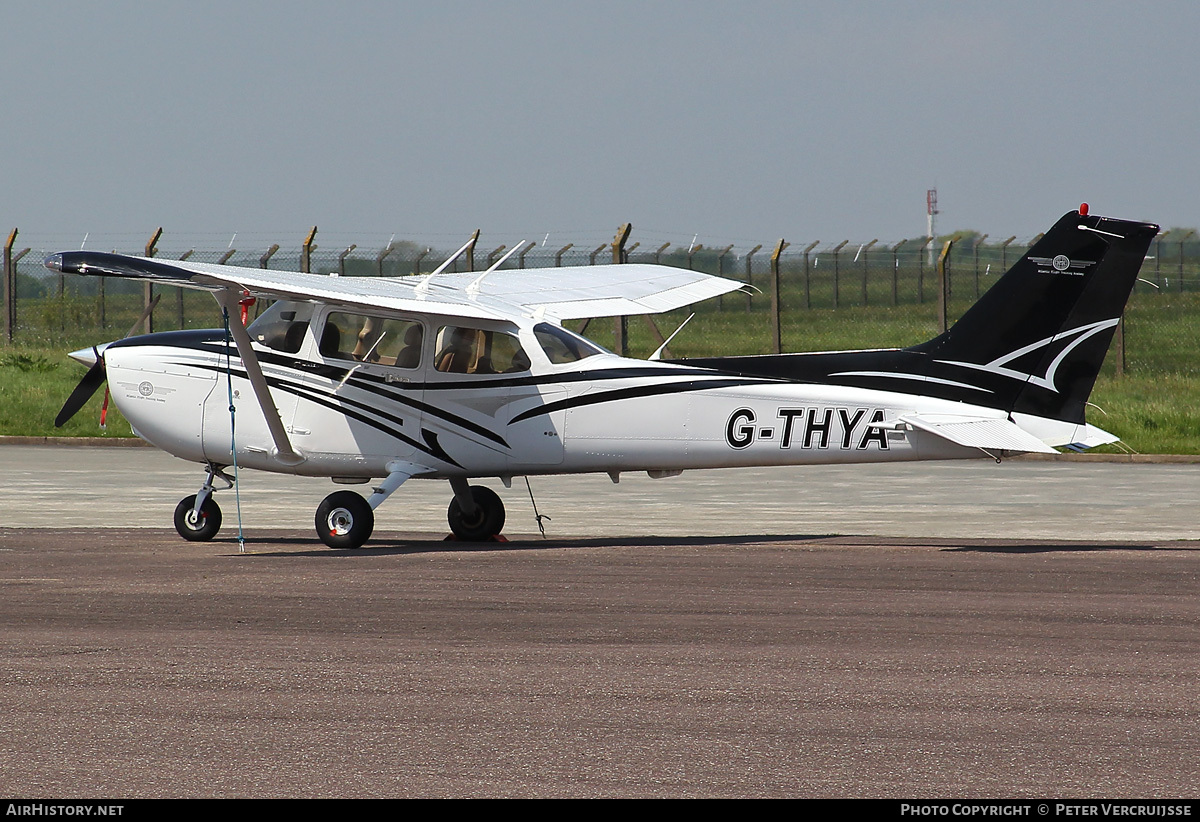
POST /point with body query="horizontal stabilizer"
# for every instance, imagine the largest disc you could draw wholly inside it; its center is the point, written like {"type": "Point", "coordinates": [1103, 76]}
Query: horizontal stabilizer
{"type": "Point", "coordinates": [991, 434]}
{"type": "Point", "coordinates": [1092, 437]}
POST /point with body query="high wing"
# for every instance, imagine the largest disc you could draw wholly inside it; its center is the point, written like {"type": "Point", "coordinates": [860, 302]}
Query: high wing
{"type": "Point", "coordinates": [576, 292]}
{"type": "Point", "coordinates": [556, 293]}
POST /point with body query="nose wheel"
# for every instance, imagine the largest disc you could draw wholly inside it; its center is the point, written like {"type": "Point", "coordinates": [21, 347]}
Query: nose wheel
{"type": "Point", "coordinates": [198, 517]}
{"type": "Point", "coordinates": [197, 525]}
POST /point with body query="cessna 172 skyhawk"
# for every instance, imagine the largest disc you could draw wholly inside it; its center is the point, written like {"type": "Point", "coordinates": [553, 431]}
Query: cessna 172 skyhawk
{"type": "Point", "coordinates": [461, 376]}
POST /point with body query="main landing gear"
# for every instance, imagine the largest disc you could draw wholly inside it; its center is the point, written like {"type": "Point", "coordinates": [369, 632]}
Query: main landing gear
{"type": "Point", "coordinates": [344, 519]}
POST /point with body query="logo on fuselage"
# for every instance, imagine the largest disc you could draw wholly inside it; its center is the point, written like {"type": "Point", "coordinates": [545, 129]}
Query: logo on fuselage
{"type": "Point", "coordinates": [812, 427]}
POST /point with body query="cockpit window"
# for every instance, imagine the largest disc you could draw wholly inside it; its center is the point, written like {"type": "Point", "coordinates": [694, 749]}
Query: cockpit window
{"type": "Point", "coordinates": [282, 326]}
{"type": "Point", "coordinates": [561, 346]}
{"type": "Point", "coordinates": [380, 340]}
{"type": "Point", "coordinates": [476, 351]}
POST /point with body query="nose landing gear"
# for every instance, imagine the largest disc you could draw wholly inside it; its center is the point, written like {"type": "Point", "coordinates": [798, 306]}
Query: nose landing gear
{"type": "Point", "coordinates": [198, 517]}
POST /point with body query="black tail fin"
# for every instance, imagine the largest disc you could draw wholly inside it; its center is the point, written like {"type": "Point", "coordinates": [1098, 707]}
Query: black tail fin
{"type": "Point", "coordinates": [1033, 344]}
{"type": "Point", "coordinates": [1038, 337]}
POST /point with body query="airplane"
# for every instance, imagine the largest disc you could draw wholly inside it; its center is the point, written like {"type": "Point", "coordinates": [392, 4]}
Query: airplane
{"type": "Point", "coordinates": [461, 376]}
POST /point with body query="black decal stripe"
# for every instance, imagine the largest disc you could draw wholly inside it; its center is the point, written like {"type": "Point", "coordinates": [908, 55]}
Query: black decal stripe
{"type": "Point", "coordinates": [339, 404]}
{"type": "Point", "coordinates": [438, 451]}
{"type": "Point", "coordinates": [431, 410]}
{"type": "Point", "coordinates": [630, 393]}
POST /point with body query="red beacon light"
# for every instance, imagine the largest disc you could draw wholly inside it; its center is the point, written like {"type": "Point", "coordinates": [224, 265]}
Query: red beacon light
{"type": "Point", "coordinates": [245, 302]}
{"type": "Point", "coordinates": [1083, 209]}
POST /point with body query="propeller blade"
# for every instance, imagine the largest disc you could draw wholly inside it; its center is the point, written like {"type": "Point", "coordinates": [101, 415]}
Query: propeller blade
{"type": "Point", "coordinates": [92, 380]}
{"type": "Point", "coordinates": [95, 377]}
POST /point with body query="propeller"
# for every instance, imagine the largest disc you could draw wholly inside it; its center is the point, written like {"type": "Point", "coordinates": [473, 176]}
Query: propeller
{"type": "Point", "coordinates": [95, 377]}
{"type": "Point", "coordinates": [91, 382]}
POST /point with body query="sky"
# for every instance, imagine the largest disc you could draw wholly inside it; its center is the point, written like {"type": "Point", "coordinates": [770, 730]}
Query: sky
{"type": "Point", "coordinates": [715, 122]}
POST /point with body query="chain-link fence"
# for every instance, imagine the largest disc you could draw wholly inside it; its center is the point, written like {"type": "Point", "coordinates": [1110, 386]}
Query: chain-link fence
{"type": "Point", "coordinates": [800, 296]}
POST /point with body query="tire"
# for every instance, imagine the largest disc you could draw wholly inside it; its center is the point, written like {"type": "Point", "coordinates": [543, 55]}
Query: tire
{"type": "Point", "coordinates": [200, 529]}
{"type": "Point", "coordinates": [488, 520]}
{"type": "Point", "coordinates": [344, 520]}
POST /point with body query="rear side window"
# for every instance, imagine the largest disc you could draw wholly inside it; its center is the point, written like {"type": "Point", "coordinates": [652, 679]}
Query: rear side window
{"type": "Point", "coordinates": [365, 338]}
{"type": "Point", "coordinates": [462, 350]}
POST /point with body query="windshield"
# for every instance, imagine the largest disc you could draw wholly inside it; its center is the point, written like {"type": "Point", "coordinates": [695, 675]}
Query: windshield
{"type": "Point", "coordinates": [561, 346]}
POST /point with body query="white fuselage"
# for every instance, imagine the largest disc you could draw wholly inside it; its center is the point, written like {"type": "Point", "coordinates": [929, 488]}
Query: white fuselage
{"type": "Point", "coordinates": [601, 413]}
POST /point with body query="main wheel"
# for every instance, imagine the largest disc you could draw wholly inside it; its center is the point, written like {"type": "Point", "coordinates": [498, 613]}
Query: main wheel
{"type": "Point", "coordinates": [344, 520]}
{"type": "Point", "coordinates": [199, 528]}
{"type": "Point", "coordinates": [487, 521]}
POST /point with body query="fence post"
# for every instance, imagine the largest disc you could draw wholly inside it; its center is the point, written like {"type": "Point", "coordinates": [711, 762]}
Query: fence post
{"type": "Point", "coordinates": [147, 289]}
{"type": "Point", "coordinates": [944, 286]}
{"type": "Point", "coordinates": [620, 325]}
{"type": "Point", "coordinates": [807, 275]}
{"type": "Point", "coordinates": [978, 243]}
{"type": "Point", "coordinates": [179, 292]}
{"type": "Point", "coordinates": [266, 257]}
{"type": "Point", "coordinates": [865, 251]}
{"type": "Point", "coordinates": [470, 252]}
{"type": "Point", "coordinates": [10, 288]}
{"type": "Point", "coordinates": [836, 250]}
{"type": "Point", "coordinates": [391, 246]}
{"type": "Point", "coordinates": [342, 259]}
{"type": "Point", "coordinates": [721, 273]}
{"type": "Point", "coordinates": [520, 257]}
{"type": "Point", "coordinates": [417, 264]}
{"type": "Point", "coordinates": [776, 329]}
{"type": "Point", "coordinates": [921, 269]}
{"type": "Point", "coordinates": [1004, 254]}
{"type": "Point", "coordinates": [896, 272]}
{"type": "Point", "coordinates": [306, 251]}
{"type": "Point", "coordinates": [749, 276]}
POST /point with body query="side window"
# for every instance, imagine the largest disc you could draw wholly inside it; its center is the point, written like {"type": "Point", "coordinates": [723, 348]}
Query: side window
{"type": "Point", "coordinates": [282, 326]}
{"type": "Point", "coordinates": [380, 340]}
{"type": "Point", "coordinates": [476, 351]}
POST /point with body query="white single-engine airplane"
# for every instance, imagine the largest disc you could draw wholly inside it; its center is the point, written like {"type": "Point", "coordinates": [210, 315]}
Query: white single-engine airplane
{"type": "Point", "coordinates": [460, 376]}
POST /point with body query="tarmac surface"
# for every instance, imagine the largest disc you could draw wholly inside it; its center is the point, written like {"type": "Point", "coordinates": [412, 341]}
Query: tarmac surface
{"type": "Point", "coordinates": [964, 630]}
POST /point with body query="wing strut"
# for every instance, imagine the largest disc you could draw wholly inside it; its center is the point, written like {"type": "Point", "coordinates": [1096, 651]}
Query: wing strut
{"type": "Point", "coordinates": [284, 452]}
{"type": "Point", "coordinates": [423, 286]}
